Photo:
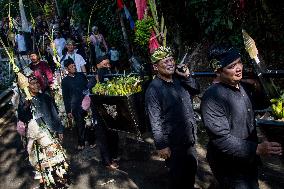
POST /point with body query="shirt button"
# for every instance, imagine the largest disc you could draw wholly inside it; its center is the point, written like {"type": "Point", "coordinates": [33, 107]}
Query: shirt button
{"type": "Point", "coordinates": [249, 110]}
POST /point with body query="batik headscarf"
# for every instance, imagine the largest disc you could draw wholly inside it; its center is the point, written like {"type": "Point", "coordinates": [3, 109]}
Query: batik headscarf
{"type": "Point", "coordinates": [225, 59]}
{"type": "Point", "coordinates": [161, 53]}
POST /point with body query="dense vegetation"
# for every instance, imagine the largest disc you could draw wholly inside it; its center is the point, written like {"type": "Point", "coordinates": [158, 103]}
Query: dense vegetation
{"type": "Point", "coordinates": [188, 21]}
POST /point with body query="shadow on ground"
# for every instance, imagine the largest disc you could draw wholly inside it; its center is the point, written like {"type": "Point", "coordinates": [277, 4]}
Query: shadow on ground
{"type": "Point", "coordinates": [139, 165]}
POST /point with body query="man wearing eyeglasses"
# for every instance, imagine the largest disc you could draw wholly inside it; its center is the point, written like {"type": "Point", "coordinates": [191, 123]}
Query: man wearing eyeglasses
{"type": "Point", "coordinates": [169, 107]}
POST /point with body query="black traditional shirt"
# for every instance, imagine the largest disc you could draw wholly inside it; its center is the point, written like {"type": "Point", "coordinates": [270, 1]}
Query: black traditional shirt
{"type": "Point", "coordinates": [73, 91]}
{"type": "Point", "coordinates": [44, 111]}
{"type": "Point", "coordinates": [169, 107]}
{"type": "Point", "coordinates": [229, 119]}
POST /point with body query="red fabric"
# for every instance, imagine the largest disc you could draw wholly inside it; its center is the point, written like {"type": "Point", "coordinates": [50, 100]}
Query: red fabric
{"type": "Point", "coordinates": [141, 6]}
{"type": "Point", "coordinates": [153, 42]}
{"type": "Point", "coordinates": [120, 4]}
{"type": "Point", "coordinates": [43, 74]}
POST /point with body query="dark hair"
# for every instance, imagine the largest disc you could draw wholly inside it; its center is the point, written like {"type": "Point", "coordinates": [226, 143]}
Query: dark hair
{"type": "Point", "coordinates": [33, 52]}
{"type": "Point", "coordinates": [68, 62]}
{"type": "Point", "coordinates": [101, 58]}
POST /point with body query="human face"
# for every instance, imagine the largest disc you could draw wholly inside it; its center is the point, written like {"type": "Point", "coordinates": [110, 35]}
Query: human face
{"type": "Point", "coordinates": [71, 69]}
{"type": "Point", "coordinates": [70, 47]}
{"type": "Point", "coordinates": [165, 67]}
{"type": "Point", "coordinates": [104, 64]}
{"type": "Point", "coordinates": [34, 87]}
{"type": "Point", "coordinates": [232, 73]}
{"type": "Point", "coordinates": [34, 58]}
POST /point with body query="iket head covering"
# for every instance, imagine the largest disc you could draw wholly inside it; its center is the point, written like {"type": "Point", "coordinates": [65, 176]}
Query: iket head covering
{"type": "Point", "coordinates": [161, 53]}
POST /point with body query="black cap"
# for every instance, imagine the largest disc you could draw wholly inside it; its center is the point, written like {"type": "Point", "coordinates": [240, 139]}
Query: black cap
{"type": "Point", "coordinates": [68, 62]}
{"type": "Point", "coordinates": [101, 58]}
{"type": "Point", "coordinates": [220, 56]}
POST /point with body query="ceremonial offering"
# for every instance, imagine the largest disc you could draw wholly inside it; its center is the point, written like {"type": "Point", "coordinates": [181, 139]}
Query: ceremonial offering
{"type": "Point", "coordinates": [119, 104]}
{"type": "Point", "coordinates": [120, 86]}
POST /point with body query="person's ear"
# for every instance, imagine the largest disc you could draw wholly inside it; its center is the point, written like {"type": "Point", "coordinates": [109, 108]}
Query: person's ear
{"type": "Point", "coordinates": [218, 72]}
{"type": "Point", "coordinates": [155, 67]}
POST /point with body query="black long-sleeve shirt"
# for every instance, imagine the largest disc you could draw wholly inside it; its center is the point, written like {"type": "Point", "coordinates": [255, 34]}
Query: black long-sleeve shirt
{"type": "Point", "coordinates": [72, 91]}
{"type": "Point", "coordinates": [45, 111]}
{"type": "Point", "coordinates": [229, 119]}
{"type": "Point", "coordinates": [169, 107]}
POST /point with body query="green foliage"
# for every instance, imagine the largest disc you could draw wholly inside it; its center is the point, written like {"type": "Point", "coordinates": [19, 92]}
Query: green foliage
{"type": "Point", "coordinates": [143, 31]}
{"type": "Point", "coordinates": [221, 21]}
{"type": "Point", "coordinates": [4, 8]}
{"type": "Point", "coordinates": [120, 86]}
{"type": "Point", "coordinates": [48, 9]}
{"type": "Point", "coordinates": [277, 107]}
{"type": "Point", "coordinates": [218, 20]}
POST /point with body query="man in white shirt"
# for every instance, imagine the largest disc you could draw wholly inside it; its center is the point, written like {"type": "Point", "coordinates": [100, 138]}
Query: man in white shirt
{"type": "Point", "coordinates": [78, 59]}
{"type": "Point", "coordinates": [59, 43]}
{"type": "Point", "coordinates": [21, 44]}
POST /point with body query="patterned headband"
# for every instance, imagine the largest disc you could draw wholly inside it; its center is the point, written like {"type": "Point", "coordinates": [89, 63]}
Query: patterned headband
{"type": "Point", "coordinates": [160, 53]}
{"type": "Point", "coordinates": [226, 59]}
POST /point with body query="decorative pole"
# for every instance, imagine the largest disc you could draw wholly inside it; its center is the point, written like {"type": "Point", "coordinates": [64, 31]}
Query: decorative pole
{"type": "Point", "coordinates": [57, 8]}
{"type": "Point", "coordinates": [126, 42]}
{"type": "Point", "coordinates": [267, 84]}
{"type": "Point", "coordinates": [25, 26]}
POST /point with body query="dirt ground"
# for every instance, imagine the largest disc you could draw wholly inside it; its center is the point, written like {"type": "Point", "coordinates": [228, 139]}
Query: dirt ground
{"type": "Point", "coordinates": [139, 165]}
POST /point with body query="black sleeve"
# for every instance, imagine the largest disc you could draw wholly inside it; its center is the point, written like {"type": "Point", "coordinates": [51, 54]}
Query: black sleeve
{"type": "Point", "coordinates": [24, 111]}
{"type": "Point", "coordinates": [85, 81]}
{"type": "Point", "coordinates": [92, 82]}
{"type": "Point", "coordinates": [59, 127]}
{"type": "Point", "coordinates": [153, 109]}
{"type": "Point", "coordinates": [191, 85]}
{"type": "Point", "coordinates": [66, 95]}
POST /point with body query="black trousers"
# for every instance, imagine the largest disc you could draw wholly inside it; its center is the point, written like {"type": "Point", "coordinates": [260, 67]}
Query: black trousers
{"type": "Point", "coordinates": [228, 175]}
{"type": "Point", "coordinates": [90, 135]}
{"type": "Point", "coordinates": [107, 141]}
{"type": "Point", "coordinates": [80, 125]}
{"type": "Point", "coordinates": [182, 167]}
{"type": "Point", "coordinates": [237, 182]}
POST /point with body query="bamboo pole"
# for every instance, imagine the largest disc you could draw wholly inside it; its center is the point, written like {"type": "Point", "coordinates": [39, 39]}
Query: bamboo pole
{"type": "Point", "coordinates": [126, 42]}
{"type": "Point", "coordinates": [57, 8]}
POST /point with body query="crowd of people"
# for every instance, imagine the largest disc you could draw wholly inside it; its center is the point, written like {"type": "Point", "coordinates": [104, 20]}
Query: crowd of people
{"type": "Point", "coordinates": [227, 111]}
{"type": "Point", "coordinates": [54, 36]}
{"type": "Point", "coordinates": [60, 58]}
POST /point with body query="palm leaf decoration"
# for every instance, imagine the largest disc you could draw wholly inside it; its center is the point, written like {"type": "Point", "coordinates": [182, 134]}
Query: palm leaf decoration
{"type": "Point", "coordinates": [160, 29]}
{"type": "Point", "coordinates": [269, 87]}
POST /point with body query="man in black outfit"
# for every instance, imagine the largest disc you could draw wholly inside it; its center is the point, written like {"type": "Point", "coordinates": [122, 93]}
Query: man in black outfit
{"type": "Point", "coordinates": [74, 85]}
{"type": "Point", "coordinates": [44, 109]}
{"type": "Point", "coordinates": [107, 139]}
{"type": "Point", "coordinates": [233, 150]}
{"type": "Point", "coordinates": [169, 107]}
